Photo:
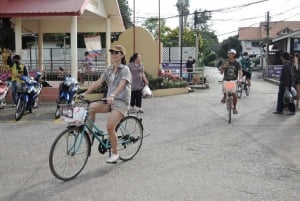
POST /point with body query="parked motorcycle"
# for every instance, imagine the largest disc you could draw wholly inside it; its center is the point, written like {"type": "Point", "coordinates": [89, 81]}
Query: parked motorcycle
{"type": "Point", "coordinates": [67, 90]}
{"type": "Point", "coordinates": [3, 93]}
{"type": "Point", "coordinates": [28, 93]}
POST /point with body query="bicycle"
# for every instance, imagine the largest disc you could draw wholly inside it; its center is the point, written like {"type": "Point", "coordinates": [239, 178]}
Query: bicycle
{"type": "Point", "coordinates": [229, 88]}
{"type": "Point", "coordinates": [243, 86]}
{"type": "Point", "coordinates": [70, 150]}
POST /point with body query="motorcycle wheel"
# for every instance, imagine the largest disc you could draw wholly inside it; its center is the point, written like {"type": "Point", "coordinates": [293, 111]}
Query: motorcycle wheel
{"type": "Point", "coordinates": [57, 112]}
{"type": "Point", "coordinates": [20, 109]}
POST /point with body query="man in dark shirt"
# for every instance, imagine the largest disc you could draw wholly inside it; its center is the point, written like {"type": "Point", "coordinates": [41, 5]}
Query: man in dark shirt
{"type": "Point", "coordinates": [232, 72]}
{"type": "Point", "coordinates": [285, 83]}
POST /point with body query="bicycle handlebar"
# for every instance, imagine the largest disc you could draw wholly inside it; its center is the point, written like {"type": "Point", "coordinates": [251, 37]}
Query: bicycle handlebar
{"type": "Point", "coordinates": [84, 99]}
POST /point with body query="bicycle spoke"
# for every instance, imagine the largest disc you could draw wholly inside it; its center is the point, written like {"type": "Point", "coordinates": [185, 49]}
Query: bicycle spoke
{"type": "Point", "coordinates": [130, 134]}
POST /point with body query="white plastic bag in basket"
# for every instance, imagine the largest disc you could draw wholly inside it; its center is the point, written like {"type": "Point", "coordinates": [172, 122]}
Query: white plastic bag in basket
{"type": "Point", "coordinates": [78, 115]}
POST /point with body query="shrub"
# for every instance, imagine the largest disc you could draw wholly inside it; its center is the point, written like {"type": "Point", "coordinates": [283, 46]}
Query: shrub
{"type": "Point", "coordinates": [165, 81]}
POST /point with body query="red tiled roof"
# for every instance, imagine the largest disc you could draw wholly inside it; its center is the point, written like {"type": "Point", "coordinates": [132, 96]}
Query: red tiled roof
{"type": "Point", "coordinates": [29, 8]}
{"type": "Point", "coordinates": [276, 27]}
{"type": "Point", "coordinates": [259, 33]}
{"type": "Point", "coordinates": [249, 33]}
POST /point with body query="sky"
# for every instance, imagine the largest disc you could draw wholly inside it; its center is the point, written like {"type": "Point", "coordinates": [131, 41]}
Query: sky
{"type": "Point", "coordinates": [232, 14]}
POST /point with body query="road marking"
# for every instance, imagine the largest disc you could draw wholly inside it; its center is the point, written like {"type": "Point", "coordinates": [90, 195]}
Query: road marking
{"type": "Point", "coordinates": [32, 121]}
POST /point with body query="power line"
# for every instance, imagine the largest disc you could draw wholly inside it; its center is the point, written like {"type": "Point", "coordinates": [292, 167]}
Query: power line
{"type": "Point", "coordinates": [231, 9]}
{"type": "Point", "coordinates": [238, 6]}
{"type": "Point", "coordinates": [216, 10]}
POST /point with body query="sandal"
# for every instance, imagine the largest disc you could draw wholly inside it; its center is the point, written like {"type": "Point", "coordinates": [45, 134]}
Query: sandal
{"type": "Point", "coordinates": [235, 111]}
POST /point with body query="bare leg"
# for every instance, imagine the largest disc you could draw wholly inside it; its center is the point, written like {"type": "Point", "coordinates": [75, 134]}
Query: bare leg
{"type": "Point", "coordinates": [224, 98]}
{"type": "Point", "coordinates": [113, 120]}
{"type": "Point", "coordinates": [248, 82]}
{"type": "Point", "coordinates": [234, 101]}
{"type": "Point", "coordinates": [97, 107]}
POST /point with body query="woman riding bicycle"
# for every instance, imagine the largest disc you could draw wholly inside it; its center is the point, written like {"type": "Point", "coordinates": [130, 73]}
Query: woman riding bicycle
{"type": "Point", "coordinates": [118, 79]}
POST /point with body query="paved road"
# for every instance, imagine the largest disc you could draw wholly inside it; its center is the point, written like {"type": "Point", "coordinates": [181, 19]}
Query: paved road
{"type": "Point", "coordinates": [191, 154]}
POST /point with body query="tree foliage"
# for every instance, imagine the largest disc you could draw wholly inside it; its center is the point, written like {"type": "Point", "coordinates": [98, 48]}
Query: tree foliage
{"type": "Point", "coordinates": [126, 13]}
{"type": "Point", "coordinates": [152, 25]}
{"type": "Point", "coordinates": [209, 42]}
{"type": "Point", "coordinates": [200, 20]}
{"type": "Point", "coordinates": [230, 43]}
{"type": "Point", "coordinates": [169, 37]}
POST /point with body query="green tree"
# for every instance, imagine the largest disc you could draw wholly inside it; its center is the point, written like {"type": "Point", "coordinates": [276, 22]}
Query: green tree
{"type": "Point", "coordinates": [230, 43]}
{"type": "Point", "coordinates": [126, 13]}
{"type": "Point", "coordinates": [200, 20]}
{"type": "Point", "coordinates": [152, 24]}
{"type": "Point", "coordinates": [168, 36]}
{"type": "Point", "coordinates": [210, 42]}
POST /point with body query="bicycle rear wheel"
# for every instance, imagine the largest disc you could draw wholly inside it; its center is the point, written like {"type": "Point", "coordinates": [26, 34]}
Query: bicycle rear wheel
{"type": "Point", "coordinates": [239, 91]}
{"type": "Point", "coordinates": [229, 107]}
{"type": "Point", "coordinates": [69, 153]}
{"type": "Point", "coordinates": [130, 137]}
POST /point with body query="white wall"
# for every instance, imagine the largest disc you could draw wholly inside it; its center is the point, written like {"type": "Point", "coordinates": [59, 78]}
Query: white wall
{"type": "Point", "coordinates": [247, 47]}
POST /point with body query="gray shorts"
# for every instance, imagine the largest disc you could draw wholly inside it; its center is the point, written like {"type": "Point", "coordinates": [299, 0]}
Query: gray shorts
{"type": "Point", "coordinates": [120, 106]}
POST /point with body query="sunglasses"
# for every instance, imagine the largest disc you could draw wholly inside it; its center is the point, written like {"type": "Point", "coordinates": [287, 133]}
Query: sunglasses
{"type": "Point", "coordinates": [114, 52]}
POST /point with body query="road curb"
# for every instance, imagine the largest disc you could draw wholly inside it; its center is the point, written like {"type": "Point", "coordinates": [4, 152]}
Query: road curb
{"type": "Point", "coordinates": [276, 82]}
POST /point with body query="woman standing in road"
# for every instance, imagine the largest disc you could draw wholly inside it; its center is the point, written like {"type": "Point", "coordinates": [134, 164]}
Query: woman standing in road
{"type": "Point", "coordinates": [139, 80]}
{"type": "Point", "coordinates": [297, 77]}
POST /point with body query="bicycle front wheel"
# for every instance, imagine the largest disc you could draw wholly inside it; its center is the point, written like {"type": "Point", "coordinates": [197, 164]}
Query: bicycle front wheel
{"type": "Point", "coordinates": [69, 153]}
{"type": "Point", "coordinates": [130, 137]}
{"type": "Point", "coordinates": [229, 107]}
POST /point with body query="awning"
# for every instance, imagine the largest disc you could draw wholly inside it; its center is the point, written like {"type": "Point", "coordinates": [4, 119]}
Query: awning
{"type": "Point", "coordinates": [32, 8]}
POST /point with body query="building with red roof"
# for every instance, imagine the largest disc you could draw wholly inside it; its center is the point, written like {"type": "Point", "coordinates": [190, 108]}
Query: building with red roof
{"type": "Point", "coordinates": [62, 16]}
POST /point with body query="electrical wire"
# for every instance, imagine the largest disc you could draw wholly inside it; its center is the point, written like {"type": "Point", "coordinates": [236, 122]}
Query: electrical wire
{"type": "Point", "coordinates": [229, 10]}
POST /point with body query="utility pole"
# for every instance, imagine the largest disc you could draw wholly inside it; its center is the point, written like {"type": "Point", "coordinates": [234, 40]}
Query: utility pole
{"type": "Point", "coordinates": [181, 7]}
{"type": "Point", "coordinates": [267, 27]}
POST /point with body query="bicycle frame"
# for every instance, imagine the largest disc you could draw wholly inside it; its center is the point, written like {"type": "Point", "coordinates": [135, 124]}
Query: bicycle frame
{"type": "Point", "coordinates": [75, 142]}
{"type": "Point", "coordinates": [96, 133]}
{"type": "Point", "coordinates": [229, 88]}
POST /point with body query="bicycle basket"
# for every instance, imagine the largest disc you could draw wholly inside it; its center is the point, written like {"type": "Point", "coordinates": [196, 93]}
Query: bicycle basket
{"type": "Point", "coordinates": [229, 86]}
{"type": "Point", "coordinates": [73, 114]}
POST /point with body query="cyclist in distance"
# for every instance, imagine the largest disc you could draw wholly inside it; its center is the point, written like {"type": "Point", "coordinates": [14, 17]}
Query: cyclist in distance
{"type": "Point", "coordinates": [118, 80]}
{"type": "Point", "coordinates": [231, 69]}
{"type": "Point", "coordinates": [246, 68]}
